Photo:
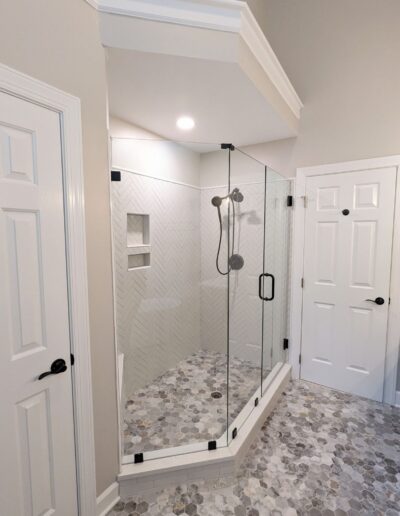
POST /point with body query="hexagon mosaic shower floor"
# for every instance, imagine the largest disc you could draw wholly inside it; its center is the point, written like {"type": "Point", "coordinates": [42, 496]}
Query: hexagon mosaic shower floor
{"type": "Point", "coordinates": [321, 452]}
{"type": "Point", "coordinates": [179, 406]}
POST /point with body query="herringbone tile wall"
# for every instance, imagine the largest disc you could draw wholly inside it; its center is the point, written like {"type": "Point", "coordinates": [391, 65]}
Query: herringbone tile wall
{"type": "Point", "coordinates": [245, 305]}
{"type": "Point", "coordinates": [245, 315]}
{"type": "Point", "coordinates": [157, 308]}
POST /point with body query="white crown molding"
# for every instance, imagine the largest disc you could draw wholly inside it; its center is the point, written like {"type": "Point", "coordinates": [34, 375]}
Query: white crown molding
{"type": "Point", "coordinates": [212, 14]}
{"type": "Point", "coordinates": [257, 42]}
{"type": "Point", "coordinates": [232, 16]}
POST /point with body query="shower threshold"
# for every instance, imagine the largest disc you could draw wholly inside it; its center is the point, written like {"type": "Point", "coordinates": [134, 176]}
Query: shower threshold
{"type": "Point", "coordinates": [190, 462]}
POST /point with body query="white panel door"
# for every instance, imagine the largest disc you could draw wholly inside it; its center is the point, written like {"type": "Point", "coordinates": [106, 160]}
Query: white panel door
{"type": "Point", "coordinates": [37, 466]}
{"type": "Point", "coordinates": [347, 260]}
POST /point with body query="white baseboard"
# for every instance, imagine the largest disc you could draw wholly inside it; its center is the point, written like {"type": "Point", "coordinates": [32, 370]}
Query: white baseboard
{"type": "Point", "coordinates": [107, 499]}
{"type": "Point", "coordinates": [397, 400]}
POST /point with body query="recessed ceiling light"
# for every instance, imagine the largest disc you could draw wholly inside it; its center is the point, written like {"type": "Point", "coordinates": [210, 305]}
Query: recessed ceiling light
{"type": "Point", "coordinates": [185, 123]}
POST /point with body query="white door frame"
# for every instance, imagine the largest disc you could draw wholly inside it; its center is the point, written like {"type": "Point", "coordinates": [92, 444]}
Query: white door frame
{"type": "Point", "coordinates": [69, 108]}
{"type": "Point", "coordinates": [393, 335]}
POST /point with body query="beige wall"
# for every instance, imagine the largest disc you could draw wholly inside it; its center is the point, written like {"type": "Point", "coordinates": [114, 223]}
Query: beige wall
{"type": "Point", "coordinates": [57, 42]}
{"type": "Point", "coordinates": [342, 57]}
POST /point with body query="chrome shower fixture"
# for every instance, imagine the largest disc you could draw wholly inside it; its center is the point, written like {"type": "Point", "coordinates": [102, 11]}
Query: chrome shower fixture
{"type": "Point", "coordinates": [235, 261]}
{"type": "Point", "coordinates": [236, 196]}
{"type": "Point", "coordinates": [217, 201]}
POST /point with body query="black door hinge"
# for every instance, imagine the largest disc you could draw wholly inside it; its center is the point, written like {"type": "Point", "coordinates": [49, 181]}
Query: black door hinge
{"type": "Point", "coordinates": [115, 175]}
{"type": "Point", "coordinates": [285, 343]}
{"type": "Point", "coordinates": [72, 359]}
{"type": "Point", "coordinates": [227, 146]}
{"type": "Point", "coordinates": [299, 359]}
{"type": "Point", "coordinates": [212, 445]}
{"type": "Point", "coordinates": [289, 201]}
{"type": "Point", "coordinates": [234, 433]}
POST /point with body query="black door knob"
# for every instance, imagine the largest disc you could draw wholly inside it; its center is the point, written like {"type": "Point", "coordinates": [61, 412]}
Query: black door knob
{"type": "Point", "coordinates": [378, 300]}
{"type": "Point", "coordinates": [57, 367]}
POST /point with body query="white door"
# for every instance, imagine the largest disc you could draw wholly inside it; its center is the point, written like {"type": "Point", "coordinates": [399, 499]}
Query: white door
{"type": "Point", "coordinates": [37, 465]}
{"type": "Point", "coordinates": [347, 260]}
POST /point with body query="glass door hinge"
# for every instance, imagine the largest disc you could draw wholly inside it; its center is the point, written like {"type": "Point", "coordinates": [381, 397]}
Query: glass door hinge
{"type": "Point", "coordinates": [302, 282]}
{"type": "Point", "coordinates": [115, 175]}
{"type": "Point", "coordinates": [285, 343]}
{"type": "Point", "coordinates": [138, 458]}
{"type": "Point", "coordinates": [289, 201]}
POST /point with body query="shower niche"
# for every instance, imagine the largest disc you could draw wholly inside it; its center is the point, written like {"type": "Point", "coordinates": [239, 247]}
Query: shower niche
{"type": "Point", "coordinates": [200, 333]}
{"type": "Point", "coordinates": [138, 240]}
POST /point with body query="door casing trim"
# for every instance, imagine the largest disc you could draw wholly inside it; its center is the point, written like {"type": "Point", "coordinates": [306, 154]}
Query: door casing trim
{"type": "Point", "coordinates": [20, 85]}
{"type": "Point", "coordinates": [393, 333]}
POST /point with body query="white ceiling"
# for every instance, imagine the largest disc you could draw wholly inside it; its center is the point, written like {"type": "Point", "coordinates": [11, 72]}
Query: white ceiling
{"type": "Point", "coordinates": [153, 90]}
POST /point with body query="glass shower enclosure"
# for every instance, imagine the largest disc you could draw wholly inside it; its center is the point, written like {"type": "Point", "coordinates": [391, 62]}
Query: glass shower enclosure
{"type": "Point", "coordinates": [201, 245]}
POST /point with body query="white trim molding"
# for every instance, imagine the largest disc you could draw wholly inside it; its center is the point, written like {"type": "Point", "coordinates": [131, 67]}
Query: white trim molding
{"type": "Point", "coordinates": [393, 334]}
{"type": "Point", "coordinates": [232, 16]}
{"type": "Point", "coordinates": [69, 109]}
{"type": "Point", "coordinates": [108, 498]}
{"type": "Point", "coordinates": [257, 42]}
{"type": "Point", "coordinates": [209, 14]}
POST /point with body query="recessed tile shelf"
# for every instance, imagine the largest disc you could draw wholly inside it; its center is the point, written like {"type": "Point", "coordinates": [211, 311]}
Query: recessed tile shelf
{"type": "Point", "coordinates": [138, 241]}
{"type": "Point", "coordinates": [138, 261]}
{"type": "Point", "coordinates": [139, 249]}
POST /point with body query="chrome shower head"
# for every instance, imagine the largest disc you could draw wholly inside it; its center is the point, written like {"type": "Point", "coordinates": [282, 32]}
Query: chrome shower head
{"type": "Point", "coordinates": [216, 201]}
{"type": "Point", "coordinates": [237, 195]}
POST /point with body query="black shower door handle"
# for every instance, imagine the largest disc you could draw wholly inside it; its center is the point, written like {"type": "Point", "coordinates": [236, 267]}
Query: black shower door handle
{"type": "Point", "coordinates": [260, 286]}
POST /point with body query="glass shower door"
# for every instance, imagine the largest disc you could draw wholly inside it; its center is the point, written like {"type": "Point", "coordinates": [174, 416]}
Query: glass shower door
{"type": "Point", "coordinates": [246, 223]}
{"type": "Point", "coordinates": [275, 288]}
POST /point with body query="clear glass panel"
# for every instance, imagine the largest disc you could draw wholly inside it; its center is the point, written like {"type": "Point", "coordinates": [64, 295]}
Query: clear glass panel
{"type": "Point", "coordinates": [246, 217]}
{"type": "Point", "coordinates": [194, 227]}
{"type": "Point", "coordinates": [171, 303]}
{"type": "Point", "coordinates": [276, 264]}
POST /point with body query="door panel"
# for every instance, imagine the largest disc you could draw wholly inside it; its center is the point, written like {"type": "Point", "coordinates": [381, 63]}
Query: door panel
{"type": "Point", "coordinates": [37, 473]}
{"type": "Point", "coordinates": [363, 247]}
{"type": "Point", "coordinates": [23, 272]}
{"type": "Point", "coordinates": [326, 251]}
{"type": "Point", "coordinates": [347, 259]}
{"type": "Point", "coordinates": [36, 458]}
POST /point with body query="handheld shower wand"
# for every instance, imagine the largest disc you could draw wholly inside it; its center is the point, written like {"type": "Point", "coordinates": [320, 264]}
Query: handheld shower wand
{"type": "Point", "coordinates": [235, 261]}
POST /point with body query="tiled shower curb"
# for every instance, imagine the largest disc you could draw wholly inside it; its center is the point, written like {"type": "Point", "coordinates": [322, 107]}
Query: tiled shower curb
{"type": "Point", "coordinates": [156, 474]}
